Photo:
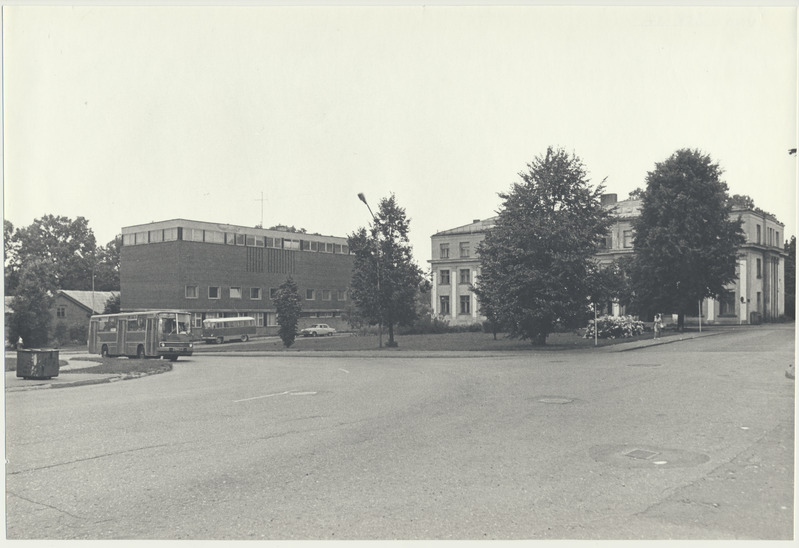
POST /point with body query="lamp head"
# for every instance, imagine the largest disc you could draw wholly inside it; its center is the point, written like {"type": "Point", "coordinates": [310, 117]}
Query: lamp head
{"type": "Point", "coordinates": [361, 197]}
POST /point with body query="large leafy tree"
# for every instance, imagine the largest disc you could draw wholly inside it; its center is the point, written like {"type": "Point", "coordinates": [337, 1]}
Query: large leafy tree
{"type": "Point", "coordinates": [67, 246]}
{"type": "Point", "coordinates": [384, 260]}
{"type": "Point", "coordinates": [32, 303]}
{"type": "Point", "coordinates": [106, 274]}
{"type": "Point", "coordinates": [536, 262]}
{"type": "Point", "coordinates": [288, 308]}
{"type": "Point", "coordinates": [685, 242]}
{"type": "Point", "coordinates": [10, 258]}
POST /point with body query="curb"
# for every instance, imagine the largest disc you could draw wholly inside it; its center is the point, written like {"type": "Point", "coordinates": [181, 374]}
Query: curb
{"type": "Point", "coordinates": [99, 379]}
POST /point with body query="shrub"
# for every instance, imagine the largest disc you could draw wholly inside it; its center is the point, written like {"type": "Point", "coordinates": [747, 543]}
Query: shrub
{"type": "Point", "coordinates": [615, 327]}
{"type": "Point", "coordinates": [79, 334]}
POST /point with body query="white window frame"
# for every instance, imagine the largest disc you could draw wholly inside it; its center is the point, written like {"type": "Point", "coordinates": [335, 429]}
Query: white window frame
{"type": "Point", "coordinates": [235, 292]}
{"type": "Point", "coordinates": [218, 292]}
{"type": "Point", "coordinates": [196, 292]}
{"type": "Point", "coordinates": [259, 295]}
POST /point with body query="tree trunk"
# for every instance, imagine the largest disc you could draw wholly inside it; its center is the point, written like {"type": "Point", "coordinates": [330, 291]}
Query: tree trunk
{"type": "Point", "coordinates": [681, 322]}
{"type": "Point", "coordinates": [391, 343]}
{"type": "Point", "coordinates": [540, 339]}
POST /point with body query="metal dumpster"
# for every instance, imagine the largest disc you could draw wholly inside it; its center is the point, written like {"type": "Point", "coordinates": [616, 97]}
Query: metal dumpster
{"type": "Point", "coordinates": [33, 363]}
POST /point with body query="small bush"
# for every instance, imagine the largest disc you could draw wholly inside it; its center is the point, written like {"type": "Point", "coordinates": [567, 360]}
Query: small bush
{"type": "Point", "coordinates": [79, 334]}
{"type": "Point", "coordinates": [615, 327]}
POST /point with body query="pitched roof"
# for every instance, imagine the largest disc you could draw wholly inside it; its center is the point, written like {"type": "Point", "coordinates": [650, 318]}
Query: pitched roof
{"type": "Point", "coordinates": [85, 299]}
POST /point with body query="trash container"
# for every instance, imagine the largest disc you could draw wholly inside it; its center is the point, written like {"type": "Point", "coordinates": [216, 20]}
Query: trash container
{"type": "Point", "coordinates": [755, 318]}
{"type": "Point", "coordinates": [33, 363]}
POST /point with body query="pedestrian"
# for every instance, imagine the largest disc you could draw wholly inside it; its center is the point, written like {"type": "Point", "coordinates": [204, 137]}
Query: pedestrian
{"type": "Point", "coordinates": [658, 325]}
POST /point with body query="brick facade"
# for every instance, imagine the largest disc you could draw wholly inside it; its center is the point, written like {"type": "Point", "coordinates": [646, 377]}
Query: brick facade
{"type": "Point", "coordinates": [216, 270]}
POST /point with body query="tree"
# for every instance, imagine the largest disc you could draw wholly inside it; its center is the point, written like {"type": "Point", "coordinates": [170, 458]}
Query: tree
{"type": "Point", "coordinates": [32, 303]}
{"type": "Point", "coordinates": [106, 269]}
{"type": "Point", "coordinates": [685, 242]}
{"type": "Point", "coordinates": [10, 258]}
{"type": "Point", "coordinates": [287, 305]}
{"type": "Point", "coordinates": [790, 278]}
{"type": "Point", "coordinates": [384, 260]}
{"type": "Point", "coordinates": [536, 260]}
{"type": "Point", "coordinates": [67, 246]}
{"type": "Point", "coordinates": [113, 305]}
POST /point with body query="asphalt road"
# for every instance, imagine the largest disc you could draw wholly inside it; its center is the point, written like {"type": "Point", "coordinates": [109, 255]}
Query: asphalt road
{"type": "Point", "coordinates": [690, 440]}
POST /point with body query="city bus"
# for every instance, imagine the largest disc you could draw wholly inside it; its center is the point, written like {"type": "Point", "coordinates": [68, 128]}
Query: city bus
{"type": "Point", "coordinates": [220, 330]}
{"type": "Point", "coordinates": [150, 334]}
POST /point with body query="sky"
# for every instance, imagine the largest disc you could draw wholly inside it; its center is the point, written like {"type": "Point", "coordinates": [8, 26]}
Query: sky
{"type": "Point", "coordinates": [126, 115]}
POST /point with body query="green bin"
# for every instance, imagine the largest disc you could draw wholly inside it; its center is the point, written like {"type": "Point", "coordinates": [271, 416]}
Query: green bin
{"type": "Point", "coordinates": [33, 363]}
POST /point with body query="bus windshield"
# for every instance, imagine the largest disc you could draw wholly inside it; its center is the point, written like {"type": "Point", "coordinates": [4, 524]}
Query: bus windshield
{"type": "Point", "coordinates": [172, 324]}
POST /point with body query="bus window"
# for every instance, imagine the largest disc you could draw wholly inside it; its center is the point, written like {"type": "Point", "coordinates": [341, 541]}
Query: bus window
{"type": "Point", "coordinates": [167, 325]}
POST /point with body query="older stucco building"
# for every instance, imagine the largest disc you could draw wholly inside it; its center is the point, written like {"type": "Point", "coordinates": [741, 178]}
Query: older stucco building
{"type": "Point", "coordinates": [758, 294]}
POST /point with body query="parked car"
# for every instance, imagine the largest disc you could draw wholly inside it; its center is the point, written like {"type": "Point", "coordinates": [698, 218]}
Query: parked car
{"type": "Point", "coordinates": [317, 330]}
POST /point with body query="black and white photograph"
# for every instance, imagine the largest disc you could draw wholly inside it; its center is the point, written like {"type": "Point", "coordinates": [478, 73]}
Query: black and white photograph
{"type": "Point", "coordinates": [399, 272]}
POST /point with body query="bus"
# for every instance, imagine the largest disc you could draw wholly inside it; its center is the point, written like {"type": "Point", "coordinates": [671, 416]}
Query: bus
{"type": "Point", "coordinates": [150, 334]}
{"type": "Point", "coordinates": [220, 330]}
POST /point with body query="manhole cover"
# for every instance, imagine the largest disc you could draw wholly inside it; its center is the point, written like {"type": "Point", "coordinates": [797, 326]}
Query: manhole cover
{"type": "Point", "coordinates": [643, 365]}
{"type": "Point", "coordinates": [628, 456]}
{"type": "Point", "coordinates": [555, 399]}
{"type": "Point", "coordinates": [641, 454]}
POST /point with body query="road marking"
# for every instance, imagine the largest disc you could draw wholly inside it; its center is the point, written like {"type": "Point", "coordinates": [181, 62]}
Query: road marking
{"type": "Point", "coordinates": [347, 372]}
{"type": "Point", "coordinates": [260, 397]}
{"type": "Point", "coordinates": [286, 393]}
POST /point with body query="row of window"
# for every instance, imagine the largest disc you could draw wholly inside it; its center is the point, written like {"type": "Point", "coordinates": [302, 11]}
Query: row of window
{"type": "Point", "coordinates": [465, 305]}
{"type": "Point", "coordinates": [262, 319]}
{"type": "Point", "coordinates": [230, 238]}
{"type": "Point", "coordinates": [256, 293]}
{"type": "Point", "coordinates": [773, 237]}
{"type": "Point", "coordinates": [464, 248]}
{"type": "Point", "coordinates": [465, 276]}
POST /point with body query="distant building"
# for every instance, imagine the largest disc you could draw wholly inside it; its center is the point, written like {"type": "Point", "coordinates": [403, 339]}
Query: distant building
{"type": "Point", "coordinates": [455, 266]}
{"type": "Point", "coordinates": [72, 309]}
{"type": "Point", "coordinates": [757, 294]}
{"type": "Point", "coordinates": [221, 270]}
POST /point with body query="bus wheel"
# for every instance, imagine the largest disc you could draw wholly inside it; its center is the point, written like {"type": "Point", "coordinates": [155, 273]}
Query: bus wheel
{"type": "Point", "coordinates": [140, 353]}
{"type": "Point", "coordinates": [104, 351]}
{"type": "Point", "coordinates": [244, 338]}
{"type": "Point", "coordinates": [220, 340]}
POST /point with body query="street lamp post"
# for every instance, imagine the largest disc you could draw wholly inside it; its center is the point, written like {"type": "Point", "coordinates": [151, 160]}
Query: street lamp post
{"type": "Point", "coordinates": [362, 198]}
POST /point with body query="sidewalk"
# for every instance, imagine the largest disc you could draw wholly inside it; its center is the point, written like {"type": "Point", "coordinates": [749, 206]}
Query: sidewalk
{"type": "Point", "coordinates": [66, 377]}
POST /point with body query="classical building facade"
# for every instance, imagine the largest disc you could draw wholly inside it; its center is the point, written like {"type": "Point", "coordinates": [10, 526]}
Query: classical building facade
{"type": "Point", "coordinates": [220, 270]}
{"type": "Point", "coordinates": [758, 293]}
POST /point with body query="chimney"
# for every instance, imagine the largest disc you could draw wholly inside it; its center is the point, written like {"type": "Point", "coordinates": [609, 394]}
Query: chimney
{"type": "Point", "coordinates": [476, 221]}
{"type": "Point", "coordinates": [608, 199]}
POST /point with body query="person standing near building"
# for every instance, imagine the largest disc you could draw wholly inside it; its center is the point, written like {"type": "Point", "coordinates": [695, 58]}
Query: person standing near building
{"type": "Point", "coordinates": [658, 325]}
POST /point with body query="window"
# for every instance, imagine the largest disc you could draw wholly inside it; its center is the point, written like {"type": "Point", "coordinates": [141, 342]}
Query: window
{"type": "Point", "coordinates": [230, 238]}
{"type": "Point", "coordinates": [309, 294]}
{"type": "Point", "coordinates": [759, 269]}
{"type": "Point", "coordinates": [466, 304]}
{"type": "Point", "coordinates": [327, 295]}
{"type": "Point", "coordinates": [197, 319]}
{"type": "Point", "coordinates": [250, 240]}
{"type": "Point", "coordinates": [291, 244]}
{"type": "Point", "coordinates": [342, 295]}
{"type": "Point", "coordinates": [345, 249]}
{"type": "Point", "coordinates": [259, 319]}
{"type": "Point", "coordinates": [464, 250]}
{"type": "Point", "coordinates": [156, 236]}
{"type": "Point", "coordinates": [128, 239]}
{"type": "Point", "coordinates": [727, 304]}
{"type": "Point", "coordinates": [466, 276]}
{"type": "Point", "coordinates": [240, 239]}
{"type": "Point", "coordinates": [271, 319]}
{"type": "Point", "coordinates": [141, 238]}
{"type": "Point", "coordinates": [443, 252]}
{"type": "Point", "coordinates": [170, 234]}
{"type": "Point", "coordinates": [758, 234]}
{"type": "Point", "coordinates": [259, 241]}
{"type": "Point", "coordinates": [443, 305]}
{"type": "Point", "coordinates": [444, 277]}
{"type": "Point", "coordinates": [192, 234]}
{"type": "Point", "coordinates": [628, 239]}
{"type": "Point", "coordinates": [213, 292]}
{"type": "Point", "coordinates": [214, 237]}
{"type": "Point", "coordinates": [758, 302]}
{"type": "Point", "coordinates": [61, 312]}
{"type": "Point", "coordinates": [255, 293]}
{"type": "Point", "coordinates": [235, 293]}
{"type": "Point", "coordinates": [305, 245]}
{"type": "Point", "coordinates": [191, 291]}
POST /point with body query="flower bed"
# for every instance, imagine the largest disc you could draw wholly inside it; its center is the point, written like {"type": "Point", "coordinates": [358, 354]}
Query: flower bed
{"type": "Point", "coordinates": [615, 327]}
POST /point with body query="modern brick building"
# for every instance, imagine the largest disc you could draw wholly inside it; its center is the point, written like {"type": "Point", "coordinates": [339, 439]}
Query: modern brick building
{"type": "Point", "coordinates": [221, 270]}
{"type": "Point", "coordinates": [758, 294]}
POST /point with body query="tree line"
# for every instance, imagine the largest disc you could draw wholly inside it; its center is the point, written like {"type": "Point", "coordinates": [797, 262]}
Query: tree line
{"type": "Point", "coordinates": [51, 254]}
